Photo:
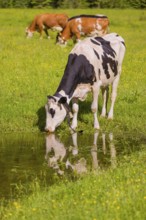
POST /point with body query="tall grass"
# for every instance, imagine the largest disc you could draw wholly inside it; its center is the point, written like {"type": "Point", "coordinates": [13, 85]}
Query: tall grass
{"type": "Point", "coordinates": [31, 69]}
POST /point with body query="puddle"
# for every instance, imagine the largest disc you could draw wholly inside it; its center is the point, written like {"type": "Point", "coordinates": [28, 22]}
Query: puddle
{"type": "Point", "coordinates": [24, 157]}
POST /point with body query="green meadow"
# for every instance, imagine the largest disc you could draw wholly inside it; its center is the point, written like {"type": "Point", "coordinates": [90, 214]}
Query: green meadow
{"type": "Point", "coordinates": [31, 69]}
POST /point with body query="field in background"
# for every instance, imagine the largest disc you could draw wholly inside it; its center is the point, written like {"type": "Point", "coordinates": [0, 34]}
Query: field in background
{"type": "Point", "coordinates": [30, 69]}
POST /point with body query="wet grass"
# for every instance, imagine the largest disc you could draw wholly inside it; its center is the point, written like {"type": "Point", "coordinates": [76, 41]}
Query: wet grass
{"type": "Point", "coordinates": [118, 193]}
{"type": "Point", "coordinates": [32, 69]}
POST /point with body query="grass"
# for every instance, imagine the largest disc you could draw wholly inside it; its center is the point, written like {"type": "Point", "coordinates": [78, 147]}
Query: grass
{"type": "Point", "coordinates": [32, 68]}
{"type": "Point", "coordinates": [118, 193]}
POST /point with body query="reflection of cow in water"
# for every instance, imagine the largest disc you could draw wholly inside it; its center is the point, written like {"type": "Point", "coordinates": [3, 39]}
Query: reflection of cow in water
{"type": "Point", "coordinates": [43, 22]}
{"type": "Point", "coordinates": [57, 148]}
{"type": "Point", "coordinates": [57, 153]}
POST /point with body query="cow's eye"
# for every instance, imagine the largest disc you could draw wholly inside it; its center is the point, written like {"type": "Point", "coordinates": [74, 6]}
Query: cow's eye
{"type": "Point", "coordinates": [52, 112]}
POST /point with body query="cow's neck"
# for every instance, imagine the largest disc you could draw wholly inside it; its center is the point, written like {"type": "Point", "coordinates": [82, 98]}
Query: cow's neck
{"type": "Point", "coordinates": [60, 94]}
{"type": "Point", "coordinates": [66, 33]}
{"type": "Point", "coordinates": [32, 26]}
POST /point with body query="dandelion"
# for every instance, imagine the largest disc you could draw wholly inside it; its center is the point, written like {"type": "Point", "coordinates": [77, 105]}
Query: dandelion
{"type": "Point", "coordinates": [144, 197]}
{"type": "Point", "coordinates": [17, 205]}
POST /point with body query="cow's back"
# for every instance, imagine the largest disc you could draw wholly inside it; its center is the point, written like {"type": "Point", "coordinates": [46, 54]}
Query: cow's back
{"type": "Point", "coordinates": [103, 52]}
{"type": "Point", "coordinates": [87, 24]}
{"type": "Point", "coordinates": [51, 20]}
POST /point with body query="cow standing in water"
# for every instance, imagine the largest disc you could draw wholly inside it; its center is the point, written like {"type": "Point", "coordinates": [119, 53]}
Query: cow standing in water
{"type": "Point", "coordinates": [47, 21]}
{"type": "Point", "coordinates": [83, 25]}
{"type": "Point", "coordinates": [93, 63]}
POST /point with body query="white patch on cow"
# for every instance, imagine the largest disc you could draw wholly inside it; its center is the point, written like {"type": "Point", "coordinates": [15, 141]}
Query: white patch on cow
{"type": "Point", "coordinates": [79, 20]}
{"type": "Point", "coordinates": [78, 40]}
{"type": "Point", "coordinates": [44, 27]}
{"type": "Point", "coordinates": [57, 28]}
{"type": "Point", "coordinates": [29, 33]}
{"type": "Point", "coordinates": [79, 27]}
{"type": "Point", "coordinates": [82, 91]}
{"type": "Point", "coordinates": [98, 26]}
{"type": "Point", "coordinates": [60, 113]}
{"type": "Point", "coordinates": [61, 41]}
{"type": "Point", "coordinates": [62, 93]}
{"type": "Point", "coordinates": [93, 33]}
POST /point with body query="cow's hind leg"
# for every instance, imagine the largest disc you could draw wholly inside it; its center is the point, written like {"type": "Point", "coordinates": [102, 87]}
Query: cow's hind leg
{"type": "Point", "coordinates": [94, 106]}
{"type": "Point", "coordinates": [47, 33]}
{"type": "Point", "coordinates": [105, 96]}
{"type": "Point", "coordinates": [113, 96]}
{"type": "Point", "coordinates": [75, 108]}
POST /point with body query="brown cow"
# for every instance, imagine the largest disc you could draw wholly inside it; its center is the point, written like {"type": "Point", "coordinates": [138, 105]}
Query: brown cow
{"type": "Point", "coordinates": [83, 25]}
{"type": "Point", "coordinates": [47, 21]}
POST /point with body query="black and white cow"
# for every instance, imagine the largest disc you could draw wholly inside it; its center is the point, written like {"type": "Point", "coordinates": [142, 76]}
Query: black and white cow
{"type": "Point", "coordinates": [93, 63]}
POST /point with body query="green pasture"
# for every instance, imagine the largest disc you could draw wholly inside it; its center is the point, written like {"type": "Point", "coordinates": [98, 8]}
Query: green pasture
{"type": "Point", "coordinates": [31, 69]}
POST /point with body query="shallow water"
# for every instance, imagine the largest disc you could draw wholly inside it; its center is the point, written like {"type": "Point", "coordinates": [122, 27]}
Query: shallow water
{"type": "Point", "coordinates": [26, 157]}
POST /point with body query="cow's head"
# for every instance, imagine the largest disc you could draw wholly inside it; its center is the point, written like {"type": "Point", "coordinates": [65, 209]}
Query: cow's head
{"type": "Point", "coordinates": [29, 33]}
{"type": "Point", "coordinates": [56, 111]}
{"type": "Point", "coordinates": [60, 39]}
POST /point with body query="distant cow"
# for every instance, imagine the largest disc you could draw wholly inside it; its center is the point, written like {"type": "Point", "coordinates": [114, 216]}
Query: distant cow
{"type": "Point", "coordinates": [83, 25]}
{"type": "Point", "coordinates": [93, 63]}
{"type": "Point", "coordinates": [47, 21]}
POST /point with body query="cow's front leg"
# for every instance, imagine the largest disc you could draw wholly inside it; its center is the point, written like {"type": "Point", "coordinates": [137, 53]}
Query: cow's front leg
{"type": "Point", "coordinates": [41, 32]}
{"type": "Point", "coordinates": [94, 106]}
{"type": "Point", "coordinates": [77, 37]}
{"type": "Point", "coordinates": [105, 96]}
{"type": "Point", "coordinates": [113, 96]}
{"type": "Point", "coordinates": [75, 108]}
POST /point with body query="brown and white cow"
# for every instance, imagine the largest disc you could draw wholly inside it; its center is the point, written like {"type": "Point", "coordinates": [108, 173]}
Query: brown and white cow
{"type": "Point", "coordinates": [93, 63]}
{"type": "Point", "coordinates": [83, 25]}
{"type": "Point", "coordinates": [43, 22]}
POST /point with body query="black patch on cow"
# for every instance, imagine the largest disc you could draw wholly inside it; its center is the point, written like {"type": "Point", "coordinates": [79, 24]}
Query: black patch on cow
{"type": "Point", "coordinates": [78, 70]}
{"type": "Point", "coordinates": [95, 42]}
{"type": "Point", "coordinates": [99, 73]}
{"type": "Point", "coordinates": [52, 112]}
{"type": "Point", "coordinates": [108, 56]}
{"type": "Point", "coordinates": [87, 16]}
{"type": "Point", "coordinates": [123, 43]}
{"type": "Point", "coordinates": [62, 100]}
{"type": "Point", "coordinates": [96, 54]}
{"type": "Point", "coordinates": [105, 46]}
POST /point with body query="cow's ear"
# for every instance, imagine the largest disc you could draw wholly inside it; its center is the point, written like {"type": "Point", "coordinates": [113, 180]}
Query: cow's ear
{"type": "Point", "coordinates": [62, 100]}
{"type": "Point", "coordinates": [49, 97]}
